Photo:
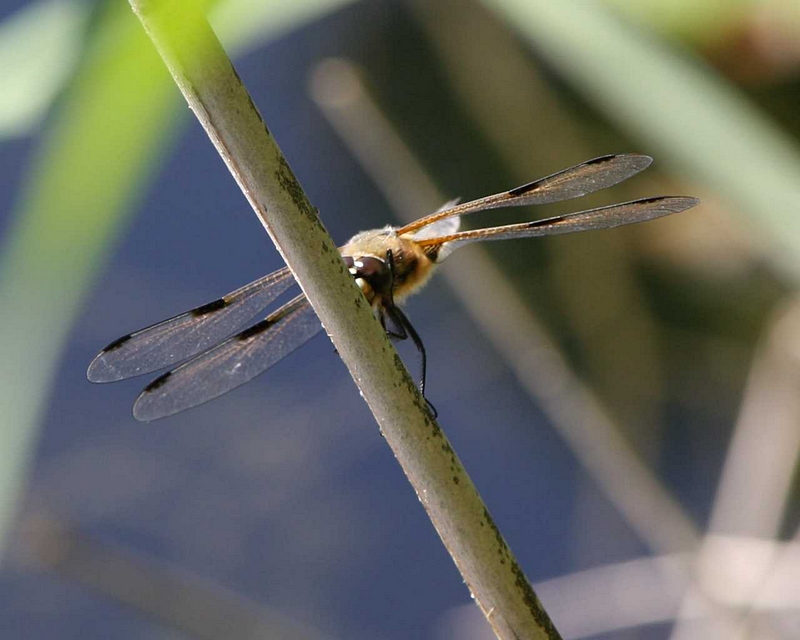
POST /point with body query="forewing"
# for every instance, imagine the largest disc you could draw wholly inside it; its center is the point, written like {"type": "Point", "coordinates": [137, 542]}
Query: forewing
{"type": "Point", "coordinates": [600, 218]}
{"type": "Point", "coordinates": [187, 334]}
{"type": "Point", "coordinates": [443, 227]}
{"type": "Point", "coordinates": [582, 179]}
{"type": "Point", "coordinates": [230, 364]}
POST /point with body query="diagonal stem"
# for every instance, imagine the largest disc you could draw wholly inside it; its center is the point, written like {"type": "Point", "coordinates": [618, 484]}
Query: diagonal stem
{"type": "Point", "coordinates": [221, 103]}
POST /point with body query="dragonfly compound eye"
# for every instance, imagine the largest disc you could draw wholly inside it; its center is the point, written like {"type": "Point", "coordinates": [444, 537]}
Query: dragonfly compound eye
{"type": "Point", "coordinates": [374, 271]}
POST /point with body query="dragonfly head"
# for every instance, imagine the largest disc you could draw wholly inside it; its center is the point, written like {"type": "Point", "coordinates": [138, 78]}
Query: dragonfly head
{"type": "Point", "coordinates": [372, 276]}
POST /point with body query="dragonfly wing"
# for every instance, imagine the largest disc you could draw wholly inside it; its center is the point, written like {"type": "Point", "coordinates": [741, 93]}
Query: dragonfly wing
{"type": "Point", "coordinates": [574, 182]}
{"type": "Point", "coordinates": [230, 364]}
{"type": "Point", "coordinates": [187, 334]}
{"type": "Point", "coordinates": [580, 180]}
{"type": "Point", "coordinates": [443, 227]}
{"type": "Point", "coordinates": [600, 218]}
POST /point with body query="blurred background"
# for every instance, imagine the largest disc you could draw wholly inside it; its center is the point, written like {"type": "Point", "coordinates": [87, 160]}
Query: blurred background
{"type": "Point", "coordinates": [627, 401]}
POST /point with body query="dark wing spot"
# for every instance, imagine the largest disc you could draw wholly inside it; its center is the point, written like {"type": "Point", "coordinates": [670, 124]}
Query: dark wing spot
{"type": "Point", "coordinates": [258, 327]}
{"type": "Point", "coordinates": [537, 184]}
{"type": "Point", "coordinates": [117, 343]}
{"type": "Point", "coordinates": [600, 160]}
{"type": "Point", "coordinates": [652, 200]}
{"type": "Point", "coordinates": [209, 308]}
{"type": "Point", "coordinates": [525, 188]}
{"type": "Point", "coordinates": [158, 382]}
{"type": "Point", "coordinates": [546, 221]}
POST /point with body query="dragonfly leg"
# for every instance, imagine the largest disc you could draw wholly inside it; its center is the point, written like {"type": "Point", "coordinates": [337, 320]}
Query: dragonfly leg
{"type": "Point", "coordinates": [401, 320]}
{"type": "Point", "coordinates": [398, 331]}
{"type": "Point", "coordinates": [403, 328]}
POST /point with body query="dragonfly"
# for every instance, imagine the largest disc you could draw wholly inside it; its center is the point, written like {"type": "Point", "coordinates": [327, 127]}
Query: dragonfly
{"type": "Point", "coordinates": [388, 264]}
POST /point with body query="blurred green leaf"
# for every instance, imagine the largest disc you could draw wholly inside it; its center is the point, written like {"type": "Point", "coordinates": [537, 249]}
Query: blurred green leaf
{"type": "Point", "coordinates": [116, 120]}
{"type": "Point", "coordinates": [39, 46]}
{"type": "Point", "coordinates": [701, 22]}
{"type": "Point", "coordinates": [245, 24]}
{"type": "Point", "coordinates": [682, 111]}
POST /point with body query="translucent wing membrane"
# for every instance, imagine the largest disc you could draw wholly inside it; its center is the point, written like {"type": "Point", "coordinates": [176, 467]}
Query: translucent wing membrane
{"type": "Point", "coordinates": [231, 363]}
{"type": "Point", "coordinates": [599, 218]}
{"type": "Point", "coordinates": [587, 177]}
{"type": "Point", "coordinates": [217, 361]}
{"type": "Point", "coordinates": [187, 334]}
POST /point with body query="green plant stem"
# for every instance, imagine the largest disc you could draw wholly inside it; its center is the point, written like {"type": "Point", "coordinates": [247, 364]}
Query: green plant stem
{"type": "Point", "coordinates": [221, 103]}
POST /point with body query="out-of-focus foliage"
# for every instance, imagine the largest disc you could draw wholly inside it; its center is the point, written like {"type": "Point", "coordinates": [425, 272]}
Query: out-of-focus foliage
{"type": "Point", "coordinates": [489, 94]}
{"type": "Point", "coordinates": [118, 114]}
{"type": "Point", "coordinates": [39, 46]}
{"type": "Point", "coordinates": [703, 123]}
{"type": "Point", "coordinates": [700, 22]}
{"type": "Point", "coordinates": [245, 24]}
